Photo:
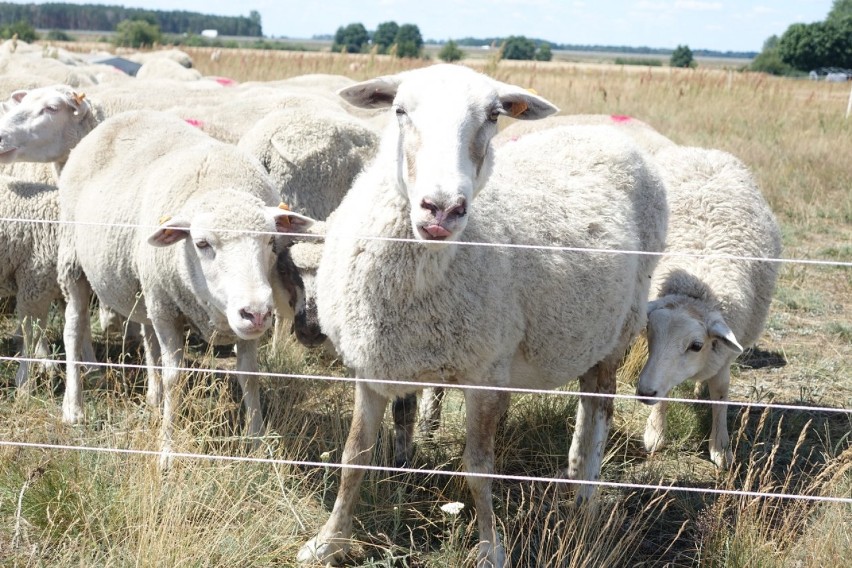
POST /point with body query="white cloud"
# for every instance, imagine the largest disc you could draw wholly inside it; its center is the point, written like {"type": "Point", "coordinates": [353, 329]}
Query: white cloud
{"type": "Point", "coordinates": [647, 6]}
{"type": "Point", "coordinates": [698, 5]}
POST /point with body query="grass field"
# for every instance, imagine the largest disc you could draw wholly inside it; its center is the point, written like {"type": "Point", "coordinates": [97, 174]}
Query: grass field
{"type": "Point", "coordinates": [83, 508]}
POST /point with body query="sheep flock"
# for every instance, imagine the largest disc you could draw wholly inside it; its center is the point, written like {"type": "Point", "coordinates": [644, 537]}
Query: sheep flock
{"type": "Point", "coordinates": [389, 222]}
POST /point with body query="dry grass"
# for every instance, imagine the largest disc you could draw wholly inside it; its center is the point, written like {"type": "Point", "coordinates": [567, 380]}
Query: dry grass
{"type": "Point", "coordinates": [64, 508]}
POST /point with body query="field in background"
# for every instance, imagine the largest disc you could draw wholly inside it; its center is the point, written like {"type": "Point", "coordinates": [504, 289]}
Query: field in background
{"type": "Point", "coordinates": [70, 508]}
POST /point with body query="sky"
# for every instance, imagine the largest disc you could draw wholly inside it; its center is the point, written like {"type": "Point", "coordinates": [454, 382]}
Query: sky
{"type": "Point", "coordinates": [729, 25]}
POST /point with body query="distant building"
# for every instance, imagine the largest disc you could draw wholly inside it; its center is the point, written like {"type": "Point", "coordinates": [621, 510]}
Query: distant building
{"type": "Point", "coordinates": [212, 34]}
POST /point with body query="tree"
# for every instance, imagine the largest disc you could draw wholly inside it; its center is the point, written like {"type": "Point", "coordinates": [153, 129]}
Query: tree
{"type": "Point", "coordinates": [137, 33]}
{"type": "Point", "coordinates": [518, 47]}
{"type": "Point", "coordinates": [682, 57]}
{"type": "Point", "coordinates": [544, 53]}
{"type": "Point", "coordinates": [450, 52]}
{"type": "Point", "coordinates": [820, 44]}
{"type": "Point", "coordinates": [352, 38]}
{"type": "Point", "coordinates": [839, 10]}
{"type": "Point", "coordinates": [385, 36]}
{"type": "Point", "coordinates": [25, 32]}
{"type": "Point", "coordinates": [408, 41]}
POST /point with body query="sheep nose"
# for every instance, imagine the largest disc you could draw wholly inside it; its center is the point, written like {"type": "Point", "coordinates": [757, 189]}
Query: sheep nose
{"type": "Point", "coordinates": [646, 393]}
{"type": "Point", "coordinates": [257, 318]}
{"type": "Point", "coordinates": [442, 211]}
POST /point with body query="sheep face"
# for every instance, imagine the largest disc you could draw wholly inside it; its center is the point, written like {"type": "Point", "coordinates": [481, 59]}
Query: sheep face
{"type": "Point", "coordinates": [42, 125]}
{"type": "Point", "coordinates": [228, 253]}
{"type": "Point", "coordinates": [684, 342]}
{"type": "Point", "coordinates": [445, 118]}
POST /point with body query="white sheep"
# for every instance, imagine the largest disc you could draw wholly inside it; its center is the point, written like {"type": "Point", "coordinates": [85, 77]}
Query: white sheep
{"type": "Point", "coordinates": [707, 309]}
{"type": "Point", "coordinates": [313, 157]}
{"type": "Point", "coordinates": [169, 227]}
{"type": "Point", "coordinates": [641, 132]}
{"type": "Point", "coordinates": [28, 246]}
{"type": "Point", "coordinates": [439, 311]}
{"type": "Point", "coordinates": [165, 68]}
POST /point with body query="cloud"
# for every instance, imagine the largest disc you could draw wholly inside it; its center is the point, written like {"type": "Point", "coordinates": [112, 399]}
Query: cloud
{"type": "Point", "coordinates": [647, 6]}
{"type": "Point", "coordinates": [697, 5]}
{"type": "Point", "coordinates": [763, 10]}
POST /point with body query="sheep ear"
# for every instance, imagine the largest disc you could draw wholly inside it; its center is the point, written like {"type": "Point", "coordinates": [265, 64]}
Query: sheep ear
{"type": "Point", "coordinates": [287, 221]}
{"type": "Point", "coordinates": [523, 104]}
{"type": "Point", "coordinates": [720, 330]}
{"type": "Point", "coordinates": [78, 103]}
{"type": "Point", "coordinates": [375, 93]}
{"type": "Point", "coordinates": [653, 305]}
{"type": "Point", "coordinates": [18, 95]}
{"type": "Point", "coordinates": [170, 231]}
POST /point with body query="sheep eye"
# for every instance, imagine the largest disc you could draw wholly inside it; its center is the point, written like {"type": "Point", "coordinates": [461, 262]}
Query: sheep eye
{"type": "Point", "coordinates": [494, 115]}
{"type": "Point", "coordinates": [51, 108]}
{"type": "Point", "coordinates": [202, 244]}
{"type": "Point", "coordinates": [696, 346]}
{"type": "Point", "coordinates": [400, 111]}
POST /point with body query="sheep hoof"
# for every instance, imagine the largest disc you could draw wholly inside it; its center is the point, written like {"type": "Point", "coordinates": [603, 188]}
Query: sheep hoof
{"type": "Point", "coordinates": [722, 458]}
{"type": "Point", "coordinates": [654, 441]}
{"type": "Point", "coordinates": [490, 556]}
{"type": "Point", "coordinates": [326, 553]}
{"type": "Point", "coordinates": [72, 415]}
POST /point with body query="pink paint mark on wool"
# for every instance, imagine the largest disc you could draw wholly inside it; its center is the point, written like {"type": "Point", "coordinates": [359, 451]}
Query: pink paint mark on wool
{"type": "Point", "coordinates": [621, 118]}
{"type": "Point", "coordinates": [225, 81]}
{"type": "Point", "coordinates": [194, 122]}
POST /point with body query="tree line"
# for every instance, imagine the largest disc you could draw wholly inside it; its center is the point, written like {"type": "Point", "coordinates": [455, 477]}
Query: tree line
{"type": "Point", "coordinates": [806, 47]}
{"type": "Point", "coordinates": [60, 16]}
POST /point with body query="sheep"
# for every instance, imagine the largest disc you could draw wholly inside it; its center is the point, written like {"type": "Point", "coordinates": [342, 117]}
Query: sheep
{"type": "Point", "coordinates": [165, 68]}
{"type": "Point", "coordinates": [28, 266]}
{"type": "Point", "coordinates": [406, 409]}
{"type": "Point", "coordinates": [312, 157]}
{"type": "Point", "coordinates": [438, 311]}
{"type": "Point", "coordinates": [641, 132]}
{"type": "Point", "coordinates": [168, 226]}
{"type": "Point", "coordinates": [176, 55]}
{"type": "Point", "coordinates": [705, 310]}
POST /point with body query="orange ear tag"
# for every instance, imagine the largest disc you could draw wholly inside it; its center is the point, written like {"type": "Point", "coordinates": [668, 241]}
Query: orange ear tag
{"type": "Point", "coordinates": [518, 108]}
{"type": "Point", "coordinates": [78, 98]}
{"type": "Point", "coordinates": [285, 221]}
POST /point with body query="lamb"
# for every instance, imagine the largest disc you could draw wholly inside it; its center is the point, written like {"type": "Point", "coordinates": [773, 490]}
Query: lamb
{"type": "Point", "coordinates": [169, 227]}
{"type": "Point", "coordinates": [707, 309]}
{"type": "Point", "coordinates": [438, 311]}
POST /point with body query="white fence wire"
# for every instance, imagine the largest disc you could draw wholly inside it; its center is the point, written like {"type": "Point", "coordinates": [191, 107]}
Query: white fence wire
{"type": "Point", "coordinates": [302, 463]}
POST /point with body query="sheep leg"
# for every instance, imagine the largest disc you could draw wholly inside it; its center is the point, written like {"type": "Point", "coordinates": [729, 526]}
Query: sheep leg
{"type": "Point", "coordinates": [720, 442]}
{"type": "Point", "coordinates": [171, 344]}
{"type": "Point", "coordinates": [332, 542]}
{"type": "Point", "coordinates": [484, 410]}
{"type": "Point", "coordinates": [153, 359]}
{"type": "Point", "coordinates": [34, 343]}
{"type": "Point", "coordinates": [247, 363]}
{"type": "Point", "coordinates": [594, 417]}
{"type": "Point", "coordinates": [655, 428]}
{"type": "Point", "coordinates": [430, 410]}
{"type": "Point", "coordinates": [77, 294]}
{"type": "Point", "coordinates": [404, 415]}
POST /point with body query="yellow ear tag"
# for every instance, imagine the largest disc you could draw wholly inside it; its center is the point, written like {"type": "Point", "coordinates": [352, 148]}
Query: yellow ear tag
{"type": "Point", "coordinates": [78, 98]}
{"type": "Point", "coordinates": [518, 108]}
{"type": "Point", "coordinates": [163, 219]}
{"type": "Point", "coordinates": [533, 91]}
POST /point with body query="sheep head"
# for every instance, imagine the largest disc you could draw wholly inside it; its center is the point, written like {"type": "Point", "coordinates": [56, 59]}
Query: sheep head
{"type": "Point", "coordinates": [446, 116]}
{"type": "Point", "coordinates": [44, 124]}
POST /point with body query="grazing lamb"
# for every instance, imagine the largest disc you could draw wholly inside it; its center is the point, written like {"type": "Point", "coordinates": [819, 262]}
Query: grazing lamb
{"type": "Point", "coordinates": [439, 311]}
{"type": "Point", "coordinates": [169, 227]}
{"type": "Point", "coordinates": [707, 309]}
